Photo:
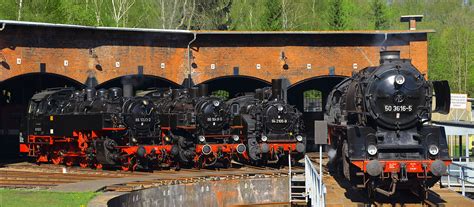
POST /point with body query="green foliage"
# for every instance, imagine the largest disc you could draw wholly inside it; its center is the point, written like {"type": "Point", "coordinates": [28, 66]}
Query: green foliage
{"type": "Point", "coordinates": [221, 94]}
{"type": "Point", "coordinates": [451, 48]}
{"type": "Point", "coordinates": [312, 94]}
{"type": "Point", "coordinates": [39, 198]}
{"type": "Point", "coordinates": [271, 19]}
{"type": "Point", "coordinates": [338, 15]}
{"type": "Point", "coordinates": [379, 15]}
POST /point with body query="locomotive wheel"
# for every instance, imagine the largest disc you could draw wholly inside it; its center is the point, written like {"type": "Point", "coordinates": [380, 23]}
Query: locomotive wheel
{"type": "Point", "coordinates": [69, 161]}
{"type": "Point", "coordinates": [84, 163]}
{"type": "Point", "coordinates": [346, 167]}
{"type": "Point", "coordinates": [98, 166]}
{"type": "Point", "coordinates": [130, 165]}
{"type": "Point", "coordinates": [56, 159]}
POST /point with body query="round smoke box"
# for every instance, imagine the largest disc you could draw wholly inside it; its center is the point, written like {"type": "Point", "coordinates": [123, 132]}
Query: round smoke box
{"type": "Point", "coordinates": [206, 149]}
{"type": "Point", "coordinates": [241, 148]}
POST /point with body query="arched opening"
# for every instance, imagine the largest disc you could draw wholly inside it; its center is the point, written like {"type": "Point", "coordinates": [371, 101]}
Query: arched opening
{"type": "Point", "coordinates": [15, 94]}
{"type": "Point", "coordinates": [309, 96]}
{"type": "Point", "coordinates": [140, 82]}
{"type": "Point", "coordinates": [235, 85]}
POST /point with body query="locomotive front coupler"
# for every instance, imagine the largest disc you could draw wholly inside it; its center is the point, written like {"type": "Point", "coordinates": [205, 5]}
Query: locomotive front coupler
{"type": "Point", "coordinates": [403, 172]}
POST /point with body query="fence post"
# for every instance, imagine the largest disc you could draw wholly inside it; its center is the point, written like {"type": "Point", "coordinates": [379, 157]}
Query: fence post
{"type": "Point", "coordinates": [463, 181]}
{"type": "Point", "coordinates": [449, 179]}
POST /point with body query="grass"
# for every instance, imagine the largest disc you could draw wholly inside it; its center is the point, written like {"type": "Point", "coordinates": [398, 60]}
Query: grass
{"type": "Point", "coordinates": [39, 198]}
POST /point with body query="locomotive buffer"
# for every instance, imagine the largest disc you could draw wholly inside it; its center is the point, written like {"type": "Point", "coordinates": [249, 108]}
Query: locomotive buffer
{"type": "Point", "coordinates": [308, 186]}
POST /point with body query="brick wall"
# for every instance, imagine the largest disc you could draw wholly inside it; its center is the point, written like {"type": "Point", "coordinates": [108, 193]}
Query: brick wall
{"type": "Point", "coordinates": [107, 54]}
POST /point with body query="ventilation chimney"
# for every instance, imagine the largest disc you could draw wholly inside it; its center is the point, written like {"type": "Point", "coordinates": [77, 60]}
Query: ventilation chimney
{"type": "Point", "coordinates": [411, 19]}
{"type": "Point", "coordinates": [389, 55]}
{"type": "Point", "coordinates": [277, 88]}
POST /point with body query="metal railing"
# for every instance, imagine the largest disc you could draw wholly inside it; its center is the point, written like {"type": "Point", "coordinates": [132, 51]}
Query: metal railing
{"type": "Point", "coordinates": [462, 174]}
{"type": "Point", "coordinates": [315, 189]}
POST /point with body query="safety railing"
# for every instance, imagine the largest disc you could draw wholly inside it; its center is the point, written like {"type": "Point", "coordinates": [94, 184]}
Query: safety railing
{"type": "Point", "coordinates": [315, 189]}
{"type": "Point", "coordinates": [463, 174]}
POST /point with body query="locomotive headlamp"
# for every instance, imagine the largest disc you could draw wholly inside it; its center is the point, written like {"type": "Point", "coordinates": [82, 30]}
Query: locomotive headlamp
{"type": "Point", "coordinates": [299, 138]}
{"type": "Point", "coordinates": [235, 137]}
{"type": "Point", "coordinates": [202, 138]}
{"type": "Point", "coordinates": [399, 79]}
{"type": "Point", "coordinates": [216, 103]}
{"type": "Point", "coordinates": [280, 108]}
{"type": "Point", "coordinates": [372, 149]}
{"type": "Point", "coordinates": [433, 150]}
{"type": "Point", "coordinates": [264, 138]}
{"type": "Point", "coordinates": [145, 102]}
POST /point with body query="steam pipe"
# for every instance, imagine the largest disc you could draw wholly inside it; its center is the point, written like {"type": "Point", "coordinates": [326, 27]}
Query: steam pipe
{"type": "Point", "coordinates": [189, 51]}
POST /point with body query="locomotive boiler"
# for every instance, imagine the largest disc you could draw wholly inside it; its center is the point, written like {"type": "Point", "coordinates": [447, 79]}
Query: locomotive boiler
{"type": "Point", "coordinates": [378, 126]}
{"type": "Point", "coordinates": [272, 127]}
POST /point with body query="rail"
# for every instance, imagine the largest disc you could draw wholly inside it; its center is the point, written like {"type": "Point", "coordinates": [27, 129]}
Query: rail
{"type": "Point", "coordinates": [462, 173]}
{"type": "Point", "coordinates": [315, 188]}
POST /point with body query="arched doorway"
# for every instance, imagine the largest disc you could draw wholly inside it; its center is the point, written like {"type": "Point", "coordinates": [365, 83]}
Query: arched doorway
{"type": "Point", "coordinates": [309, 96]}
{"type": "Point", "coordinates": [140, 82]}
{"type": "Point", "coordinates": [15, 94]}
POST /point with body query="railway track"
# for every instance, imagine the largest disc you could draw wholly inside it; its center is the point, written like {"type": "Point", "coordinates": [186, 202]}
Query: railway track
{"type": "Point", "coordinates": [28, 175]}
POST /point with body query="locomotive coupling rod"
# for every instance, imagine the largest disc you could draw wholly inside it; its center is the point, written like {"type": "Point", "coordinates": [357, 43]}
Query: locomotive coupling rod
{"type": "Point", "coordinates": [386, 193]}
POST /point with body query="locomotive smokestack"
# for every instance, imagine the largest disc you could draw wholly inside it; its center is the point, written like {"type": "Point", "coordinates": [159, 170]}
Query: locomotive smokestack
{"type": "Point", "coordinates": [259, 94]}
{"type": "Point", "coordinates": [90, 94]}
{"type": "Point", "coordinates": [203, 90]}
{"type": "Point", "coordinates": [127, 85]}
{"type": "Point", "coordinates": [193, 92]}
{"type": "Point", "coordinates": [389, 55]}
{"type": "Point", "coordinates": [277, 88]}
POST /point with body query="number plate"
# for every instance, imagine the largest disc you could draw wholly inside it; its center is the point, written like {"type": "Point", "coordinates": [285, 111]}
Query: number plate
{"type": "Point", "coordinates": [396, 108]}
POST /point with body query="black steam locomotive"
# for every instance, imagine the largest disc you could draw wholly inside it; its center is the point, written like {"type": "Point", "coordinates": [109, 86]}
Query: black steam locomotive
{"type": "Point", "coordinates": [197, 126]}
{"type": "Point", "coordinates": [377, 123]}
{"type": "Point", "coordinates": [272, 127]}
{"type": "Point", "coordinates": [92, 128]}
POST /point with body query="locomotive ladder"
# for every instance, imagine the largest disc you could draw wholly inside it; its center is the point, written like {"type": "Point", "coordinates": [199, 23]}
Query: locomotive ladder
{"type": "Point", "coordinates": [306, 186]}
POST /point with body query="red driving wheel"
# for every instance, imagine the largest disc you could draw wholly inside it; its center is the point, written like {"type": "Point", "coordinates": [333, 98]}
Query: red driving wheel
{"type": "Point", "coordinates": [129, 165]}
{"type": "Point", "coordinates": [84, 163]}
{"type": "Point", "coordinates": [56, 159]}
{"type": "Point", "coordinates": [69, 161]}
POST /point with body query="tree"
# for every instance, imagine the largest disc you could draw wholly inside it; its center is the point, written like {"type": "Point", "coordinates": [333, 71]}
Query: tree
{"type": "Point", "coordinates": [379, 15]}
{"type": "Point", "coordinates": [338, 15]}
{"type": "Point", "coordinates": [120, 10]}
{"type": "Point", "coordinates": [271, 19]}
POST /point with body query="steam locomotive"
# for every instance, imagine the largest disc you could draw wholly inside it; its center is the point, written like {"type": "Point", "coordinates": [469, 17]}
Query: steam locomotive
{"type": "Point", "coordinates": [273, 128]}
{"type": "Point", "coordinates": [160, 128]}
{"type": "Point", "coordinates": [198, 126]}
{"type": "Point", "coordinates": [377, 126]}
{"type": "Point", "coordinates": [93, 128]}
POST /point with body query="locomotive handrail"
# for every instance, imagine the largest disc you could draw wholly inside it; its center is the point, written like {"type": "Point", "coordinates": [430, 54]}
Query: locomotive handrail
{"type": "Point", "coordinates": [315, 188]}
{"type": "Point", "coordinates": [463, 175]}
